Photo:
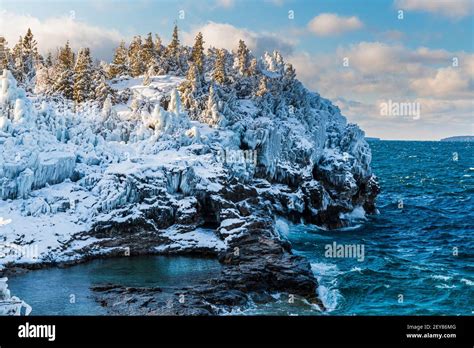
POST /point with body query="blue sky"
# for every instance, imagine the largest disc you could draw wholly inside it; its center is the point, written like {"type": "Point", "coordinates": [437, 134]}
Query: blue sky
{"type": "Point", "coordinates": [408, 60]}
{"type": "Point", "coordinates": [142, 16]}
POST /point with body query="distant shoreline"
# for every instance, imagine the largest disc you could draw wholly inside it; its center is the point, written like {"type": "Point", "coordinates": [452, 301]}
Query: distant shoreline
{"type": "Point", "coordinates": [461, 138]}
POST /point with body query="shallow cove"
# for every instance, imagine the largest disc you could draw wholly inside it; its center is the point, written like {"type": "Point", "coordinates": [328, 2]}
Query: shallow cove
{"type": "Point", "coordinates": [66, 291]}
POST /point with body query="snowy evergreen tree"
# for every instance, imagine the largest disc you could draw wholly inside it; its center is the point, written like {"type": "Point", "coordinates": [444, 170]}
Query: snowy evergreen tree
{"type": "Point", "coordinates": [243, 56]}
{"type": "Point", "coordinates": [191, 91]}
{"type": "Point", "coordinates": [262, 87]}
{"type": "Point", "coordinates": [44, 79]}
{"type": "Point", "coordinates": [4, 54]}
{"type": "Point", "coordinates": [159, 48]}
{"type": "Point", "coordinates": [64, 73]}
{"type": "Point", "coordinates": [289, 77]}
{"type": "Point", "coordinates": [17, 56]}
{"type": "Point", "coordinates": [82, 76]}
{"type": "Point", "coordinates": [172, 54]}
{"type": "Point", "coordinates": [212, 109]}
{"type": "Point", "coordinates": [119, 65]}
{"type": "Point", "coordinates": [148, 52]}
{"type": "Point", "coordinates": [253, 68]}
{"type": "Point", "coordinates": [197, 53]}
{"type": "Point", "coordinates": [219, 72]}
{"type": "Point", "coordinates": [135, 57]}
{"type": "Point", "coordinates": [48, 62]}
{"type": "Point", "coordinates": [30, 57]}
{"type": "Point", "coordinates": [101, 89]}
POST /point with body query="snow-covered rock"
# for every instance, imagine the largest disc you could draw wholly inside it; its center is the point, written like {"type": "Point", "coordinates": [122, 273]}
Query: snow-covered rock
{"type": "Point", "coordinates": [11, 305]}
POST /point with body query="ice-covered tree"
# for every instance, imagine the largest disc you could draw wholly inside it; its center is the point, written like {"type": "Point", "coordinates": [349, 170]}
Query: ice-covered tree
{"type": "Point", "coordinates": [119, 65]}
{"type": "Point", "coordinates": [219, 72]}
{"type": "Point", "coordinates": [135, 57]}
{"type": "Point", "coordinates": [102, 89]}
{"type": "Point", "coordinates": [44, 79]}
{"type": "Point", "coordinates": [289, 77]}
{"type": "Point", "coordinates": [148, 51]}
{"type": "Point", "coordinates": [172, 54]}
{"type": "Point", "coordinates": [4, 53]}
{"type": "Point", "coordinates": [191, 91]}
{"type": "Point", "coordinates": [48, 62]}
{"type": "Point", "coordinates": [262, 87]}
{"type": "Point", "coordinates": [173, 48]}
{"type": "Point", "coordinates": [197, 53]}
{"type": "Point", "coordinates": [30, 57]}
{"type": "Point", "coordinates": [243, 56]}
{"type": "Point", "coordinates": [17, 57]}
{"type": "Point", "coordinates": [63, 70]}
{"type": "Point", "coordinates": [82, 76]}
{"type": "Point", "coordinates": [159, 48]}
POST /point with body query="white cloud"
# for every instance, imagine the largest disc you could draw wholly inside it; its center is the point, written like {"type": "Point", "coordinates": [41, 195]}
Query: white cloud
{"type": "Point", "coordinates": [448, 8]}
{"type": "Point", "coordinates": [327, 24]}
{"type": "Point", "coordinates": [379, 72]}
{"type": "Point", "coordinates": [446, 82]}
{"type": "Point", "coordinates": [225, 3]}
{"type": "Point", "coordinates": [227, 36]}
{"type": "Point", "coordinates": [54, 32]}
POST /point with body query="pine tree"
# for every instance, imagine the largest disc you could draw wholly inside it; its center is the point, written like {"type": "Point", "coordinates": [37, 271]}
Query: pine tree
{"type": "Point", "coordinates": [44, 79]}
{"type": "Point", "coordinates": [197, 53]}
{"type": "Point", "coordinates": [17, 56]}
{"type": "Point", "coordinates": [3, 54]}
{"type": "Point", "coordinates": [262, 87]}
{"type": "Point", "coordinates": [66, 57]}
{"type": "Point", "coordinates": [212, 114]}
{"type": "Point", "coordinates": [137, 66]}
{"type": "Point", "coordinates": [219, 74]}
{"type": "Point", "coordinates": [173, 48]}
{"type": "Point", "coordinates": [253, 68]}
{"type": "Point", "coordinates": [27, 57]}
{"type": "Point", "coordinates": [82, 76]}
{"type": "Point", "coordinates": [49, 60]}
{"type": "Point", "coordinates": [148, 51]}
{"type": "Point", "coordinates": [158, 46]}
{"type": "Point", "coordinates": [64, 81]}
{"type": "Point", "coordinates": [100, 89]}
{"type": "Point", "coordinates": [243, 56]}
{"type": "Point", "coordinates": [119, 64]}
{"type": "Point", "coordinates": [289, 77]}
{"type": "Point", "coordinates": [190, 90]}
{"type": "Point", "coordinates": [172, 54]}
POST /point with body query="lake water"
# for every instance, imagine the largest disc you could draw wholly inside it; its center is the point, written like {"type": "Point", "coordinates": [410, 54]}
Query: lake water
{"type": "Point", "coordinates": [66, 291]}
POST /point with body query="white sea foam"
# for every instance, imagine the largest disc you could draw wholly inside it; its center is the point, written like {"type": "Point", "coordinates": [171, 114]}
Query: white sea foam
{"type": "Point", "coordinates": [328, 293]}
{"type": "Point", "coordinates": [441, 277]}
{"type": "Point", "coordinates": [467, 281]}
{"type": "Point", "coordinates": [445, 286]}
{"type": "Point", "coordinates": [356, 269]}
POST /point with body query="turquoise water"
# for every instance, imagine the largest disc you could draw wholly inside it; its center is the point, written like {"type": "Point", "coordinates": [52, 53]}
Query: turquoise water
{"type": "Point", "coordinates": [66, 291]}
{"type": "Point", "coordinates": [419, 257]}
